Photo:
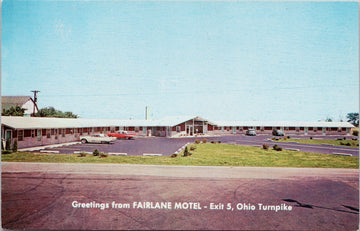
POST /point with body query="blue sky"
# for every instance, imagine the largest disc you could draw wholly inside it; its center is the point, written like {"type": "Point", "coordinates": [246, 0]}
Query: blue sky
{"type": "Point", "coordinates": [294, 61]}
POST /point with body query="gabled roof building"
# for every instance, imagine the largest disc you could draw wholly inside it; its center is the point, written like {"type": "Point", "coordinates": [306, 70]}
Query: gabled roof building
{"type": "Point", "coordinates": [25, 102]}
{"type": "Point", "coordinates": [37, 131]}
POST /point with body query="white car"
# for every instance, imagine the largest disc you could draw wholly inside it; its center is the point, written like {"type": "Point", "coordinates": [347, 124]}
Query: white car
{"type": "Point", "coordinates": [97, 138]}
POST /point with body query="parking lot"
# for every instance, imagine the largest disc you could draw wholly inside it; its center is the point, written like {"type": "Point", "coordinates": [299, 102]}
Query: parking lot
{"type": "Point", "coordinates": [167, 146]}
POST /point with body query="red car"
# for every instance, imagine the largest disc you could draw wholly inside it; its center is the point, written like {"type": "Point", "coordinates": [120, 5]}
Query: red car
{"type": "Point", "coordinates": [122, 135]}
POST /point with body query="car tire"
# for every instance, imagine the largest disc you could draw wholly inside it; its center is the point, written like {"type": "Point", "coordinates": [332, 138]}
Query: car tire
{"type": "Point", "coordinates": [83, 141]}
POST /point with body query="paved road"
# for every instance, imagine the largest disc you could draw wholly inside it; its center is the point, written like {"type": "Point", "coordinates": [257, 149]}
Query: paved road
{"type": "Point", "coordinates": [41, 196]}
{"type": "Point", "coordinates": [167, 146]}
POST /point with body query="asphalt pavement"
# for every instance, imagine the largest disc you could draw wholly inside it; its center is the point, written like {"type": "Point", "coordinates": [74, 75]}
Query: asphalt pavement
{"type": "Point", "coordinates": [167, 146]}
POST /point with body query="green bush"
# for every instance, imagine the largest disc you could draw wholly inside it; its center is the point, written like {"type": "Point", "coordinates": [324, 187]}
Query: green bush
{"type": "Point", "coordinates": [186, 152]}
{"type": "Point", "coordinates": [6, 152]}
{"type": "Point", "coordinates": [15, 146]}
{"type": "Point", "coordinates": [311, 138]}
{"type": "Point", "coordinates": [173, 155]}
{"type": "Point", "coordinates": [96, 152]}
{"type": "Point", "coordinates": [192, 148]}
{"type": "Point", "coordinates": [103, 155]}
{"type": "Point", "coordinates": [277, 148]}
{"type": "Point", "coordinates": [355, 133]}
{"type": "Point", "coordinates": [82, 154]}
{"type": "Point", "coordinates": [213, 142]}
{"type": "Point", "coordinates": [204, 141]}
{"type": "Point", "coordinates": [265, 146]}
{"type": "Point", "coordinates": [8, 144]}
{"type": "Point", "coordinates": [197, 141]}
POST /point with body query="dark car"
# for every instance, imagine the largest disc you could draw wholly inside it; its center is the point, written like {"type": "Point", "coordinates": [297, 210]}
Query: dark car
{"type": "Point", "coordinates": [278, 133]}
{"type": "Point", "coordinates": [251, 132]}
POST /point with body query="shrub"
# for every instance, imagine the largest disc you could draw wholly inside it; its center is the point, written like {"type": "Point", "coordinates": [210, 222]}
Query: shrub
{"type": "Point", "coordinates": [288, 137]}
{"type": "Point", "coordinates": [265, 146]}
{"type": "Point", "coordinates": [103, 155]}
{"type": "Point", "coordinates": [277, 148]}
{"type": "Point", "coordinates": [355, 133]}
{"type": "Point", "coordinates": [96, 152]}
{"type": "Point", "coordinates": [186, 152]}
{"type": "Point", "coordinates": [8, 144]}
{"type": "Point", "coordinates": [339, 139]}
{"type": "Point", "coordinates": [6, 152]}
{"type": "Point", "coordinates": [348, 144]}
{"type": "Point", "coordinates": [344, 138]}
{"type": "Point", "coordinates": [15, 146]}
{"type": "Point", "coordinates": [204, 141]}
{"type": "Point", "coordinates": [219, 142]}
{"type": "Point", "coordinates": [197, 141]}
{"type": "Point", "coordinates": [192, 148]}
{"type": "Point", "coordinates": [82, 154]}
{"type": "Point", "coordinates": [342, 143]}
{"type": "Point", "coordinates": [173, 155]}
{"type": "Point", "coordinates": [354, 139]}
{"type": "Point", "coordinates": [311, 138]}
{"type": "Point", "coordinates": [213, 142]}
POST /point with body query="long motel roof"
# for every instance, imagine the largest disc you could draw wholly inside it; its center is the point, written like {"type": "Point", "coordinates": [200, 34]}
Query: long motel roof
{"type": "Point", "coordinates": [282, 124]}
{"type": "Point", "coordinates": [18, 122]}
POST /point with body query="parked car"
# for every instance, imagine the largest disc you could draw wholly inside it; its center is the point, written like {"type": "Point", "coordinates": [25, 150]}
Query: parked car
{"type": "Point", "coordinates": [251, 132]}
{"type": "Point", "coordinates": [97, 138]}
{"type": "Point", "coordinates": [278, 133]}
{"type": "Point", "coordinates": [122, 135]}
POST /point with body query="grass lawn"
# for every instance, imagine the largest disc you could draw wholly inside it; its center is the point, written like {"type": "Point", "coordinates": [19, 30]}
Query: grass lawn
{"type": "Point", "coordinates": [347, 143]}
{"type": "Point", "coordinates": [205, 155]}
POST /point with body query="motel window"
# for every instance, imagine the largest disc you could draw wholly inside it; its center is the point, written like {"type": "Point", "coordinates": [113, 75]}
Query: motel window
{"type": "Point", "coordinates": [43, 132]}
{"type": "Point", "coordinates": [178, 128]}
{"type": "Point", "coordinates": [63, 133]}
{"type": "Point", "coordinates": [20, 135]}
{"type": "Point", "coordinates": [48, 133]}
{"type": "Point", "coordinates": [262, 128]}
{"type": "Point", "coordinates": [136, 129]}
{"type": "Point", "coordinates": [52, 132]}
{"type": "Point", "coordinates": [297, 129]}
{"type": "Point", "coordinates": [76, 130]}
{"type": "Point", "coordinates": [27, 133]}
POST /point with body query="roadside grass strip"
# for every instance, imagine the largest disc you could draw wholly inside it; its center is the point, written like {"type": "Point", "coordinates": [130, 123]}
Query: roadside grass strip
{"type": "Point", "coordinates": [209, 154]}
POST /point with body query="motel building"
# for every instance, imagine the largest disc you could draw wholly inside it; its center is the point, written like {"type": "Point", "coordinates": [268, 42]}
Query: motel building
{"type": "Point", "coordinates": [38, 131]}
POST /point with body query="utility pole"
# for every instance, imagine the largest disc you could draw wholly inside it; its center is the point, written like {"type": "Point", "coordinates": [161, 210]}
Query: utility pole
{"type": "Point", "coordinates": [35, 101]}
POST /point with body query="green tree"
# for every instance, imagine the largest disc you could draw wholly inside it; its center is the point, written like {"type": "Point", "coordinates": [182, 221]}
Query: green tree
{"type": "Point", "coordinates": [13, 111]}
{"type": "Point", "coordinates": [353, 118]}
{"type": "Point", "coordinates": [52, 112]}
